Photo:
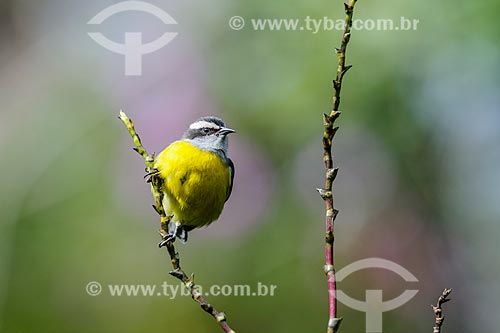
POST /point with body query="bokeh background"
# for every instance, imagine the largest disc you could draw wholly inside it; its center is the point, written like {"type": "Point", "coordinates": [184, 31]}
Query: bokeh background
{"type": "Point", "coordinates": [419, 181]}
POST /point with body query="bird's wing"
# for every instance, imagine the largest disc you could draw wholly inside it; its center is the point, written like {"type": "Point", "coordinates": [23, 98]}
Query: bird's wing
{"type": "Point", "coordinates": [231, 178]}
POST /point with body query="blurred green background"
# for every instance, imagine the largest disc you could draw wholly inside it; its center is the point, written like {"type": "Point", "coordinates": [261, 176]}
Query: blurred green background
{"type": "Point", "coordinates": [419, 181]}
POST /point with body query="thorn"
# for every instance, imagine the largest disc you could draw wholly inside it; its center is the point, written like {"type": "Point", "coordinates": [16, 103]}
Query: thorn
{"type": "Point", "coordinates": [327, 119]}
{"type": "Point", "coordinates": [190, 281]}
{"type": "Point", "coordinates": [337, 50]}
{"type": "Point", "coordinates": [328, 269]}
{"type": "Point", "coordinates": [334, 323]}
{"type": "Point", "coordinates": [336, 114]}
{"type": "Point", "coordinates": [346, 68]}
{"type": "Point", "coordinates": [332, 173]}
{"type": "Point", "coordinates": [221, 316]}
{"type": "Point", "coordinates": [324, 193]}
{"type": "Point", "coordinates": [176, 273]}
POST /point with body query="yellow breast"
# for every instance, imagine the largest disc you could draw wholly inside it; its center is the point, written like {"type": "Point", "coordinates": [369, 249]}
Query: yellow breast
{"type": "Point", "coordinates": [195, 183]}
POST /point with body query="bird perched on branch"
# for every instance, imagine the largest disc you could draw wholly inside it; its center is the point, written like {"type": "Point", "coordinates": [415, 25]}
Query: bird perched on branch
{"type": "Point", "coordinates": [197, 177]}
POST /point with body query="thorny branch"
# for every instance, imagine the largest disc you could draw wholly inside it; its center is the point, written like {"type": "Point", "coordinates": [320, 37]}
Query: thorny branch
{"type": "Point", "coordinates": [331, 170]}
{"type": "Point", "coordinates": [156, 185]}
{"type": "Point", "coordinates": [438, 310]}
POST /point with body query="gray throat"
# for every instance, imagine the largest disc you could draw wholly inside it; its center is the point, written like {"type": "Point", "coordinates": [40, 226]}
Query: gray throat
{"type": "Point", "coordinates": [217, 146]}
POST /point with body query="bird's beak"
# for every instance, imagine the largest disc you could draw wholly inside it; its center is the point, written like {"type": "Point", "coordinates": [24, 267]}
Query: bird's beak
{"type": "Point", "coordinates": [225, 131]}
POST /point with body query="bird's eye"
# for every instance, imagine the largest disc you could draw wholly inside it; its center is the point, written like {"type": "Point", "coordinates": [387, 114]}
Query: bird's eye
{"type": "Point", "coordinates": [205, 130]}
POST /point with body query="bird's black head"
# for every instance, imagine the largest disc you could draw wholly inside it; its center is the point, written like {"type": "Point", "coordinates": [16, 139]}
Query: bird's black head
{"type": "Point", "coordinates": [207, 126]}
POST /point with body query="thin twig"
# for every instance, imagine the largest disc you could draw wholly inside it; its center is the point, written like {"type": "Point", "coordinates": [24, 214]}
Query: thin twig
{"type": "Point", "coordinates": [156, 186]}
{"type": "Point", "coordinates": [331, 171]}
{"type": "Point", "coordinates": [438, 310]}
{"type": "Point", "coordinates": [342, 68]}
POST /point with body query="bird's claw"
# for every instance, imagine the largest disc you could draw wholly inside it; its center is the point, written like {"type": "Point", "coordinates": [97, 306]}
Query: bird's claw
{"type": "Point", "coordinates": [165, 239]}
{"type": "Point", "coordinates": [149, 176]}
{"type": "Point", "coordinates": [171, 234]}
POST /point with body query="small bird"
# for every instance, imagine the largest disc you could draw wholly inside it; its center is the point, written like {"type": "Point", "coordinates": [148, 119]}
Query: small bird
{"type": "Point", "coordinates": [197, 177]}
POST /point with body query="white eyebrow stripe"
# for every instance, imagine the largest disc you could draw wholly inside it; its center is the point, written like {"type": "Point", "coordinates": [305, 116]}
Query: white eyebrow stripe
{"type": "Point", "coordinates": [203, 124]}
